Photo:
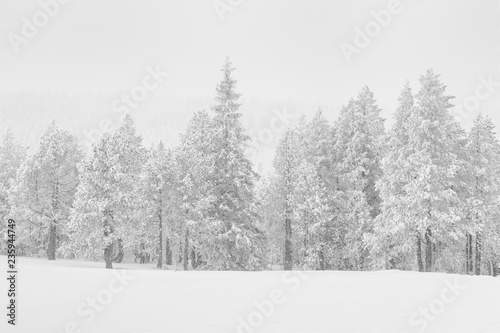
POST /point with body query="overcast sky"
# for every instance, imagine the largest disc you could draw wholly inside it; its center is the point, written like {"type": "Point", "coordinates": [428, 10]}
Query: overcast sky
{"type": "Point", "coordinates": [283, 49]}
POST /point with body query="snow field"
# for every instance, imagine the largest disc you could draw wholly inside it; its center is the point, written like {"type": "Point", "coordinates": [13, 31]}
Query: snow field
{"type": "Point", "coordinates": [80, 297]}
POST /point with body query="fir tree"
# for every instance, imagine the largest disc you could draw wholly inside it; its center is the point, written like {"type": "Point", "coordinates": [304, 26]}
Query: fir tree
{"type": "Point", "coordinates": [158, 191]}
{"type": "Point", "coordinates": [45, 188]}
{"type": "Point", "coordinates": [195, 165]}
{"type": "Point", "coordinates": [358, 145]}
{"type": "Point", "coordinates": [483, 151]}
{"type": "Point", "coordinates": [388, 243]}
{"type": "Point", "coordinates": [284, 165]}
{"type": "Point", "coordinates": [12, 155]}
{"type": "Point", "coordinates": [107, 206]}
{"type": "Point", "coordinates": [237, 241]}
{"type": "Point", "coordinates": [433, 166]}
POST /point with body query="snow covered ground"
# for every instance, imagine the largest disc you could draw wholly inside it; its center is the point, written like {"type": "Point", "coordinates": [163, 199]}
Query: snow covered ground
{"type": "Point", "coordinates": [72, 296]}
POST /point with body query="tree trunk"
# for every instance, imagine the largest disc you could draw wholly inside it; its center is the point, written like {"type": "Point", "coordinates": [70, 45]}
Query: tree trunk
{"type": "Point", "coordinates": [159, 264]}
{"type": "Point", "coordinates": [180, 253]}
{"type": "Point", "coordinates": [419, 254]}
{"type": "Point", "coordinates": [185, 260]}
{"type": "Point", "coordinates": [51, 248]}
{"type": "Point", "coordinates": [142, 254]}
{"type": "Point", "coordinates": [288, 260]}
{"type": "Point", "coordinates": [120, 254]}
{"type": "Point", "coordinates": [108, 250]}
{"type": "Point", "coordinates": [288, 246]}
{"type": "Point", "coordinates": [194, 260]}
{"type": "Point", "coordinates": [107, 257]}
{"type": "Point", "coordinates": [468, 255]}
{"type": "Point", "coordinates": [168, 252]}
{"type": "Point", "coordinates": [322, 265]}
{"type": "Point", "coordinates": [479, 249]}
{"type": "Point", "coordinates": [428, 250]}
{"type": "Point", "coordinates": [108, 253]}
{"type": "Point", "coordinates": [199, 260]}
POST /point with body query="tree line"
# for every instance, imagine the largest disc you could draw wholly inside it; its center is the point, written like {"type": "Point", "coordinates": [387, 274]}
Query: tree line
{"type": "Point", "coordinates": [349, 195]}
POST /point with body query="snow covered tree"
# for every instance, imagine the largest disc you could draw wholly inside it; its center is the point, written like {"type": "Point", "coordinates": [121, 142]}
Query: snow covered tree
{"type": "Point", "coordinates": [423, 183]}
{"type": "Point", "coordinates": [318, 146]}
{"type": "Point", "coordinates": [107, 208]}
{"type": "Point", "coordinates": [236, 240]}
{"type": "Point", "coordinates": [284, 165]}
{"type": "Point", "coordinates": [195, 162]}
{"type": "Point", "coordinates": [389, 242]}
{"type": "Point", "coordinates": [306, 197]}
{"type": "Point", "coordinates": [431, 201]}
{"type": "Point", "coordinates": [45, 186]}
{"type": "Point", "coordinates": [318, 149]}
{"type": "Point", "coordinates": [158, 191]}
{"type": "Point", "coordinates": [358, 148]}
{"type": "Point", "coordinates": [270, 204]}
{"type": "Point", "coordinates": [312, 215]}
{"type": "Point", "coordinates": [12, 155]}
{"type": "Point", "coordinates": [483, 151]}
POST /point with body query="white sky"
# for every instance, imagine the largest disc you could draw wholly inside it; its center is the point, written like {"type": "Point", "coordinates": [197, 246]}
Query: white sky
{"type": "Point", "coordinates": [283, 49]}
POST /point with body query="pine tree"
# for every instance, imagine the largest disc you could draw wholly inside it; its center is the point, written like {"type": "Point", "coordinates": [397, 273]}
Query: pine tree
{"type": "Point", "coordinates": [358, 148]}
{"type": "Point", "coordinates": [158, 192]}
{"type": "Point", "coordinates": [319, 146]}
{"type": "Point", "coordinates": [284, 166]}
{"type": "Point", "coordinates": [319, 151]}
{"type": "Point", "coordinates": [483, 151]}
{"type": "Point", "coordinates": [270, 204]}
{"type": "Point", "coordinates": [12, 155]}
{"type": "Point", "coordinates": [237, 241]}
{"type": "Point", "coordinates": [45, 188]}
{"type": "Point", "coordinates": [312, 215]}
{"type": "Point", "coordinates": [195, 164]}
{"type": "Point", "coordinates": [431, 201]}
{"type": "Point", "coordinates": [107, 208]}
{"type": "Point", "coordinates": [389, 243]}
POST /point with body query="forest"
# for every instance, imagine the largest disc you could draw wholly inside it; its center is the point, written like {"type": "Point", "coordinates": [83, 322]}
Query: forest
{"type": "Point", "coordinates": [422, 195]}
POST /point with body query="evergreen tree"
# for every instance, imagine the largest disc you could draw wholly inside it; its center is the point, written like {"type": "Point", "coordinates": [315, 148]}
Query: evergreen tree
{"type": "Point", "coordinates": [319, 151]}
{"type": "Point", "coordinates": [12, 155]}
{"type": "Point", "coordinates": [158, 191]}
{"type": "Point", "coordinates": [312, 215]}
{"type": "Point", "coordinates": [236, 240]}
{"type": "Point", "coordinates": [483, 151]}
{"type": "Point", "coordinates": [44, 189]}
{"type": "Point", "coordinates": [433, 166]}
{"type": "Point", "coordinates": [195, 165]}
{"type": "Point", "coordinates": [270, 204]}
{"type": "Point", "coordinates": [358, 145]}
{"type": "Point", "coordinates": [284, 183]}
{"type": "Point", "coordinates": [389, 245]}
{"type": "Point", "coordinates": [107, 208]}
